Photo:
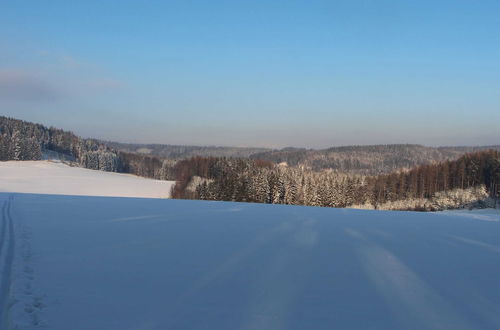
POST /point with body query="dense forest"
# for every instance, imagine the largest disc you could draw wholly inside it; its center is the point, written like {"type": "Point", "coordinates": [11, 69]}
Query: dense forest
{"type": "Point", "coordinates": [367, 160]}
{"type": "Point", "coordinates": [177, 152]}
{"type": "Point", "coordinates": [423, 182]}
{"type": "Point", "coordinates": [364, 160]}
{"type": "Point", "coordinates": [21, 140]}
{"type": "Point", "coordinates": [146, 166]}
{"type": "Point", "coordinates": [476, 175]}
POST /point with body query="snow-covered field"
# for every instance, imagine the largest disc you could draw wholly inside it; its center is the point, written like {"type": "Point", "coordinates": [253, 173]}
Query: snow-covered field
{"type": "Point", "coordinates": [74, 262]}
{"type": "Point", "coordinates": [46, 177]}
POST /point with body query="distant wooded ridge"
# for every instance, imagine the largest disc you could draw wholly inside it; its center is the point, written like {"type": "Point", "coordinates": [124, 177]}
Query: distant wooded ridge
{"type": "Point", "coordinates": [366, 160]}
{"type": "Point", "coordinates": [25, 140]}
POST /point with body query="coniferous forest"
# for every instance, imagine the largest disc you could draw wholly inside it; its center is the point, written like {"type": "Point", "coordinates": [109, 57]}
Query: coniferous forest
{"type": "Point", "coordinates": [21, 140]}
{"type": "Point", "coordinates": [472, 180]}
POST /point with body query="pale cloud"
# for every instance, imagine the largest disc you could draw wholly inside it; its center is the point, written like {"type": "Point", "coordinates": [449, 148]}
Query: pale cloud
{"type": "Point", "coordinates": [42, 52]}
{"type": "Point", "coordinates": [84, 76]}
{"type": "Point", "coordinates": [105, 84]}
{"type": "Point", "coordinates": [71, 62]}
{"type": "Point", "coordinates": [56, 60]}
{"type": "Point", "coordinates": [25, 86]}
{"type": "Point", "coordinates": [53, 75]}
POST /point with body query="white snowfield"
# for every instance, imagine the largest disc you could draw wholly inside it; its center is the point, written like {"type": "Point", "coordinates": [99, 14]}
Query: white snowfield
{"type": "Point", "coordinates": [80, 263]}
{"type": "Point", "coordinates": [48, 177]}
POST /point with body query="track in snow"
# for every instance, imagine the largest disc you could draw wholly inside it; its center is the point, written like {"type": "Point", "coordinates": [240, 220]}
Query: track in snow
{"type": "Point", "coordinates": [6, 261]}
{"type": "Point", "coordinates": [127, 263]}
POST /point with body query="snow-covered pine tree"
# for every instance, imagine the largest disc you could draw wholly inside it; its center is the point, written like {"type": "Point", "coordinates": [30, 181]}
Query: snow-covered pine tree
{"type": "Point", "coordinates": [18, 148]}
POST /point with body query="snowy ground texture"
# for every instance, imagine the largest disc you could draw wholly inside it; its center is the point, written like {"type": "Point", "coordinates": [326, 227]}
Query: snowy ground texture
{"type": "Point", "coordinates": [74, 262]}
{"type": "Point", "coordinates": [48, 177]}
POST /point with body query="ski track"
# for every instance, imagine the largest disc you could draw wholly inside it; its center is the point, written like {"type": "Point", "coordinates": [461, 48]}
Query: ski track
{"type": "Point", "coordinates": [19, 306]}
{"type": "Point", "coordinates": [2, 232]}
{"type": "Point", "coordinates": [6, 263]}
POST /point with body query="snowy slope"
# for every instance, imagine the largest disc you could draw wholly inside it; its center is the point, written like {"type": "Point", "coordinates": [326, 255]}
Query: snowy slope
{"type": "Point", "coordinates": [45, 177]}
{"type": "Point", "coordinates": [122, 263]}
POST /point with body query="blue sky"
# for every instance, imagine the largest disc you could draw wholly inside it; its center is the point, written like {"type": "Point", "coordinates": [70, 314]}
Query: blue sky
{"type": "Point", "coordinates": [256, 73]}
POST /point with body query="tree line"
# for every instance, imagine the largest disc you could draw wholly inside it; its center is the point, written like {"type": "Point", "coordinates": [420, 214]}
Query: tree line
{"type": "Point", "coordinates": [470, 170]}
{"type": "Point", "coordinates": [22, 140]}
{"type": "Point", "coordinates": [250, 180]}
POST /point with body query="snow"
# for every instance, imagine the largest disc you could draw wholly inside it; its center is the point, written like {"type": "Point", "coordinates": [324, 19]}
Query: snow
{"type": "Point", "coordinates": [481, 214]}
{"type": "Point", "coordinates": [80, 262]}
{"type": "Point", "coordinates": [47, 177]}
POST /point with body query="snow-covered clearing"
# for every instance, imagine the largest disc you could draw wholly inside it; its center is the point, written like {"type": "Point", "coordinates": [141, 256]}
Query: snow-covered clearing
{"type": "Point", "coordinates": [74, 262]}
{"type": "Point", "coordinates": [47, 177]}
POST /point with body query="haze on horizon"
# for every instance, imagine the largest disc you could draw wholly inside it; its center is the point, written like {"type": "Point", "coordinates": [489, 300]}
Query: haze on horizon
{"type": "Point", "coordinates": [256, 73]}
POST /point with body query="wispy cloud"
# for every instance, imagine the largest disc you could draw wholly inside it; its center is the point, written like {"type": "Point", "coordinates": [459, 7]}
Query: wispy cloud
{"type": "Point", "coordinates": [71, 62]}
{"type": "Point", "coordinates": [83, 76]}
{"type": "Point", "coordinates": [60, 60]}
{"type": "Point", "coordinates": [105, 84]}
{"type": "Point", "coordinates": [25, 86]}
